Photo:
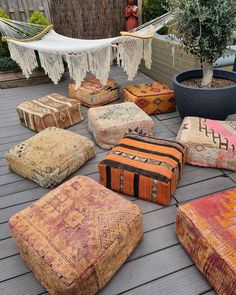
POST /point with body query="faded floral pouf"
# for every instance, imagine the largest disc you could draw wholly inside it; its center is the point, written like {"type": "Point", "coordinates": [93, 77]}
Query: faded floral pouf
{"type": "Point", "coordinates": [92, 93]}
{"type": "Point", "coordinates": [153, 98]}
{"type": "Point", "coordinates": [210, 143]}
{"type": "Point", "coordinates": [76, 237]}
{"type": "Point", "coordinates": [109, 124]}
{"type": "Point", "coordinates": [206, 229]}
{"type": "Point", "coordinates": [51, 110]}
{"type": "Point", "coordinates": [144, 167]}
{"type": "Point", "coordinates": [50, 156]}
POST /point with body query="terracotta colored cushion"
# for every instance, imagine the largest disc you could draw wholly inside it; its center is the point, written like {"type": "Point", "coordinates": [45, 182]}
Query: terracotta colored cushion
{"type": "Point", "coordinates": [92, 93]}
{"type": "Point", "coordinates": [50, 156]}
{"type": "Point", "coordinates": [143, 167]}
{"type": "Point", "coordinates": [210, 143]}
{"type": "Point", "coordinates": [51, 110]}
{"type": "Point", "coordinates": [109, 124]}
{"type": "Point", "coordinates": [153, 98]}
{"type": "Point", "coordinates": [77, 236]}
{"type": "Point", "coordinates": [207, 230]}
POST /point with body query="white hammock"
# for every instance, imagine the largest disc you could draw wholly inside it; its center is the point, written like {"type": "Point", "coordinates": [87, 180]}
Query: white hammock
{"type": "Point", "coordinates": [81, 55]}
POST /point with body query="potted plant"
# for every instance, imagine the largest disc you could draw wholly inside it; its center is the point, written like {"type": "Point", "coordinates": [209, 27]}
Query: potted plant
{"type": "Point", "coordinates": [204, 28]}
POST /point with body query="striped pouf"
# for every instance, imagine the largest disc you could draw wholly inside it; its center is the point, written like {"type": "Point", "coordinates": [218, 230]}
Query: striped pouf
{"type": "Point", "coordinates": [144, 167]}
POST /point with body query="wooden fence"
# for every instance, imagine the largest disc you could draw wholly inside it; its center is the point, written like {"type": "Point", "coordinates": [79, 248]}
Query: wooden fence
{"type": "Point", "coordinates": [22, 9]}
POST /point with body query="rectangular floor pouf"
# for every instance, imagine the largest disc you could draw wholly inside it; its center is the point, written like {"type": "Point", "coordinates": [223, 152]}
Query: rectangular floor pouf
{"type": "Point", "coordinates": [153, 98]}
{"type": "Point", "coordinates": [206, 229]}
{"type": "Point", "coordinates": [51, 110]}
{"type": "Point", "coordinates": [76, 237]}
{"type": "Point", "coordinates": [92, 93]}
{"type": "Point", "coordinates": [109, 124]}
{"type": "Point", "coordinates": [50, 156]}
{"type": "Point", "coordinates": [210, 143]}
{"type": "Point", "coordinates": [144, 167]}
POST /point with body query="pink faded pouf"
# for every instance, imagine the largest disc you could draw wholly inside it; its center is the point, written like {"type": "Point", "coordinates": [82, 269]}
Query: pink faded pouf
{"type": "Point", "coordinates": [210, 143]}
{"type": "Point", "coordinates": [206, 228]}
{"type": "Point", "coordinates": [109, 124]}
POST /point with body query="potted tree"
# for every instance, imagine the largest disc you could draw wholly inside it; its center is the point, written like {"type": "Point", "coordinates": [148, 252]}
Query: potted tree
{"type": "Point", "coordinates": [204, 28]}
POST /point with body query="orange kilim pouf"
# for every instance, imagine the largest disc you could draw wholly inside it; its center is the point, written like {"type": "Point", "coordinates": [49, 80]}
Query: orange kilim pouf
{"type": "Point", "coordinates": [207, 230]}
{"type": "Point", "coordinates": [143, 167]}
{"type": "Point", "coordinates": [92, 93]}
{"type": "Point", "coordinates": [50, 110]}
{"type": "Point", "coordinates": [77, 236]}
{"type": "Point", "coordinates": [153, 98]}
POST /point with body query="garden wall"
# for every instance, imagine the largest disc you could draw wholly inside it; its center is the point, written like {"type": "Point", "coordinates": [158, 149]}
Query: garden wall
{"type": "Point", "coordinates": [88, 19]}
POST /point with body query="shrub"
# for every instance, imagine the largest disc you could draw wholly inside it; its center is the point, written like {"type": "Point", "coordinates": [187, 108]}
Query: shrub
{"type": "Point", "coordinates": [154, 8]}
{"type": "Point", "coordinates": [204, 27]}
{"type": "Point", "coordinates": [7, 64]}
{"type": "Point", "coordinates": [38, 18]}
{"type": "Point", "coordinates": [3, 45]}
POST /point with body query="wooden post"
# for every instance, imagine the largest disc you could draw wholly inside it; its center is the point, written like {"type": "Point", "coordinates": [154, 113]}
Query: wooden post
{"type": "Point", "coordinates": [140, 2]}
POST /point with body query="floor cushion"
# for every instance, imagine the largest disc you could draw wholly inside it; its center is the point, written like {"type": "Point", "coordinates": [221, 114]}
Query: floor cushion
{"type": "Point", "coordinates": [50, 110]}
{"type": "Point", "coordinates": [109, 124]}
{"type": "Point", "coordinates": [153, 98]}
{"type": "Point", "coordinates": [50, 156]}
{"type": "Point", "coordinates": [143, 167]}
{"type": "Point", "coordinates": [92, 93]}
{"type": "Point", "coordinates": [210, 143]}
{"type": "Point", "coordinates": [77, 236]}
{"type": "Point", "coordinates": [207, 230]}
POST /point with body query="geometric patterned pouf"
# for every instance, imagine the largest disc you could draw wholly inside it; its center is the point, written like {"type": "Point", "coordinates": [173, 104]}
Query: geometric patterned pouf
{"type": "Point", "coordinates": [206, 229]}
{"type": "Point", "coordinates": [50, 156]}
{"type": "Point", "coordinates": [92, 93]}
{"type": "Point", "coordinates": [144, 167]}
{"type": "Point", "coordinates": [153, 98]}
{"type": "Point", "coordinates": [108, 124]}
{"type": "Point", "coordinates": [210, 143]}
{"type": "Point", "coordinates": [76, 237]}
{"type": "Point", "coordinates": [51, 110]}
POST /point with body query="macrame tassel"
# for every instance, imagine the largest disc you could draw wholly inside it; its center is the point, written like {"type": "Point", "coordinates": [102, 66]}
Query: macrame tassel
{"type": "Point", "coordinates": [52, 65]}
{"type": "Point", "coordinates": [147, 52]}
{"type": "Point", "coordinates": [24, 57]}
{"type": "Point", "coordinates": [129, 56]}
{"type": "Point", "coordinates": [78, 67]}
{"type": "Point", "coordinates": [100, 63]}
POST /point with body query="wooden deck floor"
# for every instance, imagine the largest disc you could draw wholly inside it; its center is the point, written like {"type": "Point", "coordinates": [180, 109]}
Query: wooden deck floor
{"type": "Point", "coordinates": [159, 265]}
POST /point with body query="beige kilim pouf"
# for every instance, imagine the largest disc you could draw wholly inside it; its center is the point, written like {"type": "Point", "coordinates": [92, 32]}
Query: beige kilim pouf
{"type": "Point", "coordinates": [109, 124]}
{"type": "Point", "coordinates": [76, 237]}
{"type": "Point", "coordinates": [50, 156]}
{"type": "Point", "coordinates": [51, 110]}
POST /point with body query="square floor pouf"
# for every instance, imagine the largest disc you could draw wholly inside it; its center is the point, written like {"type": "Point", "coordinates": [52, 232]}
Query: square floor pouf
{"type": "Point", "coordinates": [144, 167]}
{"type": "Point", "coordinates": [51, 110]}
{"type": "Point", "coordinates": [92, 93]}
{"type": "Point", "coordinates": [153, 98]}
{"type": "Point", "coordinates": [206, 229]}
{"type": "Point", "coordinates": [109, 124]}
{"type": "Point", "coordinates": [77, 236]}
{"type": "Point", "coordinates": [210, 143]}
{"type": "Point", "coordinates": [50, 156]}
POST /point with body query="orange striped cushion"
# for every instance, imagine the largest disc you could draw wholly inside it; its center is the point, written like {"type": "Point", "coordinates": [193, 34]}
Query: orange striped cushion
{"type": "Point", "coordinates": [144, 167]}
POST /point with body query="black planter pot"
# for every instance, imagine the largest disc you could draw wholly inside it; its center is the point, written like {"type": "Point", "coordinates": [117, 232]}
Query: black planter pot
{"type": "Point", "coordinates": [211, 103]}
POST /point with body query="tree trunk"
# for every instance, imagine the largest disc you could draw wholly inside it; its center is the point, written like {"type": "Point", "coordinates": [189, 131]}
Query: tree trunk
{"type": "Point", "coordinates": [207, 74]}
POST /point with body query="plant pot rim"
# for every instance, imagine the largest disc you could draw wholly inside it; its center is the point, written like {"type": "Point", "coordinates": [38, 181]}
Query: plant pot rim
{"type": "Point", "coordinates": [199, 71]}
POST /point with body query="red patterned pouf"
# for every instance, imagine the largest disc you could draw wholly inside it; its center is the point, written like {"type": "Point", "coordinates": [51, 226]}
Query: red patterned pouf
{"type": "Point", "coordinates": [92, 93]}
{"type": "Point", "coordinates": [207, 230]}
{"type": "Point", "coordinates": [77, 236]}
